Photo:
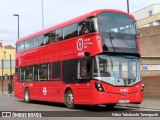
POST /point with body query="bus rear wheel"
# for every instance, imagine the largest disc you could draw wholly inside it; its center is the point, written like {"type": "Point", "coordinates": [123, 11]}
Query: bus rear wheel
{"type": "Point", "coordinates": [27, 95]}
{"type": "Point", "coordinates": [69, 99]}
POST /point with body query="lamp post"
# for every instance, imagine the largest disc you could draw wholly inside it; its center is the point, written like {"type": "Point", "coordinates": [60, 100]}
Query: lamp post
{"type": "Point", "coordinates": [11, 78]}
{"type": "Point", "coordinates": [17, 15]}
{"type": "Point", "coordinates": [3, 71]}
{"type": "Point", "coordinates": [42, 16]}
{"type": "Point", "coordinates": [2, 77]}
{"type": "Point", "coordinates": [128, 6]}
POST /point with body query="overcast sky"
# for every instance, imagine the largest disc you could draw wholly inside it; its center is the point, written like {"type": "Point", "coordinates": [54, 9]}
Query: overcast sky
{"type": "Point", "coordinates": [55, 11]}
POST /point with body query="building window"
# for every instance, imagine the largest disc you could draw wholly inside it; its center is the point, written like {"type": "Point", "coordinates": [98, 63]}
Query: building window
{"type": "Point", "coordinates": [150, 13]}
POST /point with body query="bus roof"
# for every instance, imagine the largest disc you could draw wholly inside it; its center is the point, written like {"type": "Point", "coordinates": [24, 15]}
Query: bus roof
{"type": "Point", "coordinates": [74, 20]}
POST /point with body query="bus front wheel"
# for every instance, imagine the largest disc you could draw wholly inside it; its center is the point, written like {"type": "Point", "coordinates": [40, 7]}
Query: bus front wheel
{"type": "Point", "coordinates": [27, 95]}
{"type": "Point", "coordinates": [69, 99]}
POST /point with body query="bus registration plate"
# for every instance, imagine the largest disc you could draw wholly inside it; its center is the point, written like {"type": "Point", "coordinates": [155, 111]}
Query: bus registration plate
{"type": "Point", "coordinates": [123, 101]}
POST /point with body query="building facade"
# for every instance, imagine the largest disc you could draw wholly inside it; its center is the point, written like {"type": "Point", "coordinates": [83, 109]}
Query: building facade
{"type": "Point", "coordinates": [150, 60]}
{"type": "Point", "coordinates": [148, 16]}
{"type": "Point", "coordinates": [150, 50]}
{"type": "Point", "coordinates": [7, 54]}
{"type": "Point", "coordinates": [148, 21]}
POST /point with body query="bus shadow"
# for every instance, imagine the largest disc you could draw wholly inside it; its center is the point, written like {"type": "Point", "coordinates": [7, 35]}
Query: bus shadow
{"type": "Point", "coordinates": [100, 108]}
{"type": "Point", "coordinates": [53, 104]}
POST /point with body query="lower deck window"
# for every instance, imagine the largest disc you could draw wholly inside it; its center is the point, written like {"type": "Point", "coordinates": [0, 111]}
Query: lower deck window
{"type": "Point", "coordinates": [43, 72]}
{"type": "Point", "coordinates": [34, 73]}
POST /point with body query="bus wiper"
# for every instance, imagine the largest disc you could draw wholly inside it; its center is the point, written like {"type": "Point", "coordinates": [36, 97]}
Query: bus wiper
{"type": "Point", "coordinates": [111, 38]}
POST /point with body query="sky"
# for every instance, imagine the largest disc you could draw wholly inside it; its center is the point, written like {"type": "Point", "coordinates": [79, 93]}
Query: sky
{"type": "Point", "coordinates": [55, 11]}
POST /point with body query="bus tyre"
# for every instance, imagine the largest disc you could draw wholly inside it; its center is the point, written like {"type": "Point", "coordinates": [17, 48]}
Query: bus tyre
{"type": "Point", "coordinates": [110, 106]}
{"type": "Point", "coordinates": [69, 99]}
{"type": "Point", "coordinates": [27, 95]}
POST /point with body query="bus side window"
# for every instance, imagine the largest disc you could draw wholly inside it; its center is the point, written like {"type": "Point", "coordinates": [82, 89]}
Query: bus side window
{"type": "Point", "coordinates": [22, 74]}
{"type": "Point", "coordinates": [44, 72]}
{"type": "Point", "coordinates": [20, 46]}
{"type": "Point", "coordinates": [38, 41]}
{"type": "Point", "coordinates": [83, 28]}
{"type": "Point", "coordinates": [49, 38]}
{"type": "Point", "coordinates": [35, 73]}
{"type": "Point", "coordinates": [70, 31]}
{"type": "Point", "coordinates": [59, 35]}
{"type": "Point", "coordinates": [29, 43]}
{"type": "Point", "coordinates": [29, 73]}
{"type": "Point", "coordinates": [85, 69]}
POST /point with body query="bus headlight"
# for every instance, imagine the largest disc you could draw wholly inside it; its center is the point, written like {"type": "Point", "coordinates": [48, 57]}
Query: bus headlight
{"type": "Point", "coordinates": [99, 87]}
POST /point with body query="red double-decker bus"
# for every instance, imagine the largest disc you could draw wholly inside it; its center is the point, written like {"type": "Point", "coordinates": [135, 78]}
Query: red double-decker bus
{"type": "Point", "coordinates": [92, 59]}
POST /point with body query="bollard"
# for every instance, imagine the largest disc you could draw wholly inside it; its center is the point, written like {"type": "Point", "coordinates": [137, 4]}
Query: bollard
{"type": "Point", "coordinates": [9, 88]}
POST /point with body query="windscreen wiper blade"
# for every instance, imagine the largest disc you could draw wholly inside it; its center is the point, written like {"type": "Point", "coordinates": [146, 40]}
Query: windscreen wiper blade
{"type": "Point", "coordinates": [111, 38]}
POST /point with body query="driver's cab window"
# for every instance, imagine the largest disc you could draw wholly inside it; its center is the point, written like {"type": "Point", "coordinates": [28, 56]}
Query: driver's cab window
{"type": "Point", "coordinates": [85, 69]}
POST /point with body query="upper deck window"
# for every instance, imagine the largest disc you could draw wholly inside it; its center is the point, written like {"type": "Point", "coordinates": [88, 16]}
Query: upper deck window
{"type": "Point", "coordinates": [50, 37]}
{"type": "Point", "coordinates": [20, 46]}
{"type": "Point", "coordinates": [59, 35]}
{"type": "Point", "coordinates": [118, 32]}
{"type": "Point", "coordinates": [70, 31]}
{"type": "Point", "coordinates": [88, 26]}
{"type": "Point", "coordinates": [29, 43]}
{"type": "Point", "coordinates": [39, 41]}
{"type": "Point", "coordinates": [83, 28]}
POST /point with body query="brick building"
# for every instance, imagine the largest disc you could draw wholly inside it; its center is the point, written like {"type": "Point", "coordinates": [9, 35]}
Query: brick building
{"type": "Point", "coordinates": [150, 50]}
{"type": "Point", "coordinates": [150, 57]}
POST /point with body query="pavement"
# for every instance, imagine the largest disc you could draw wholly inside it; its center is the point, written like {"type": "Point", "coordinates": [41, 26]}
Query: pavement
{"type": "Point", "coordinates": [148, 103]}
{"type": "Point", "coordinates": [5, 93]}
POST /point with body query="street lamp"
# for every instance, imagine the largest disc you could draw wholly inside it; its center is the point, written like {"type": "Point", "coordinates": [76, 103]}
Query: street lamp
{"type": "Point", "coordinates": [18, 22]}
{"type": "Point", "coordinates": [128, 6]}
{"type": "Point", "coordinates": [42, 16]}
